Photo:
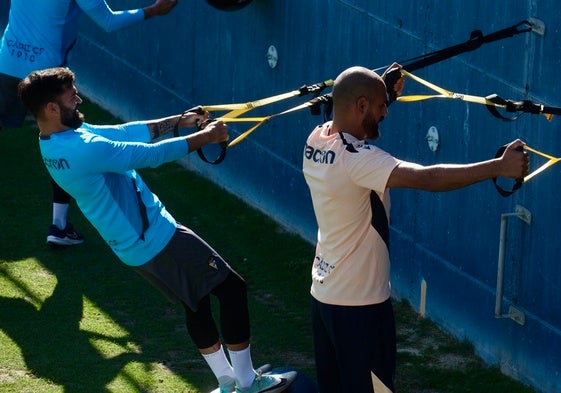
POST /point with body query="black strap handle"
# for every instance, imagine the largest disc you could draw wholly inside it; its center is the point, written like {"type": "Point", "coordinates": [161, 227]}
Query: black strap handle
{"type": "Point", "coordinates": [223, 145]}
{"type": "Point", "coordinates": [390, 79]}
{"type": "Point", "coordinates": [325, 101]}
{"type": "Point", "coordinates": [509, 106]}
{"type": "Point", "coordinates": [518, 182]}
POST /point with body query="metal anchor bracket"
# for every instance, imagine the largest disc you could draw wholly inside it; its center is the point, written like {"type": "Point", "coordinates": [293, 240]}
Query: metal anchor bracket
{"type": "Point", "coordinates": [538, 26]}
{"type": "Point", "coordinates": [513, 313]}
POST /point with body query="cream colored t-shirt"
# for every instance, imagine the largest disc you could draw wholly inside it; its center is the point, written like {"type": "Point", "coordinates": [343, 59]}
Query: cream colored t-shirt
{"type": "Point", "coordinates": [351, 265]}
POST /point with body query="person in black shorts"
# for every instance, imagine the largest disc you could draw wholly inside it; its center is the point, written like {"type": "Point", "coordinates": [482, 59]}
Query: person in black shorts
{"type": "Point", "coordinates": [350, 181]}
{"type": "Point", "coordinates": [97, 166]}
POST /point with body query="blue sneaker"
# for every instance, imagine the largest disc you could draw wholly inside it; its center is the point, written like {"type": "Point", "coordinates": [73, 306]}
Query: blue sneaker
{"type": "Point", "coordinates": [227, 385]}
{"type": "Point", "coordinates": [269, 383]}
{"type": "Point", "coordinates": [66, 237]}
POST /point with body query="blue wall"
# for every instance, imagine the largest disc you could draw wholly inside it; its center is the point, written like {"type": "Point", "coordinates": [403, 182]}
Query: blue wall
{"type": "Point", "coordinates": [198, 55]}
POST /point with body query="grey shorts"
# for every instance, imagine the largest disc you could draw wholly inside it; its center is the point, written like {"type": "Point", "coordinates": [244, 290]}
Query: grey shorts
{"type": "Point", "coordinates": [12, 111]}
{"type": "Point", "coordinates": [187, 269]}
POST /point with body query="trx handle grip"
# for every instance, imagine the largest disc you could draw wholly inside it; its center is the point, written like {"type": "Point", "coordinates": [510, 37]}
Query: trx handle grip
{"type": "Point", "coordinates": [223, 145]}
{"type": "Point", "coordinates": [390, 79]}
{"type": "Point", "coordinates": [518, 182]}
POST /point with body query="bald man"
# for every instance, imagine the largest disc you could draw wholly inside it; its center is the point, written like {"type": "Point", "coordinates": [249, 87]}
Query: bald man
{"type": "Point", "coordinates": [349, 181]}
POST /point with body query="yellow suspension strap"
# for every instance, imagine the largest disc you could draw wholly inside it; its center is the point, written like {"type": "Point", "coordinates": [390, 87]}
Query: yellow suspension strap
{"type": "Point", "coordinates": [492, 102]}
{"type": "Point", "coordinates": [259, 121]}
{"type": "Point", "coordinates": [443, 93]}
{"type": "Point", "coordinates": [475, 41]}
{"type": "Point", "coordinates": [551, 160]}
{"type": "Point", "coordinates": [236, 110]}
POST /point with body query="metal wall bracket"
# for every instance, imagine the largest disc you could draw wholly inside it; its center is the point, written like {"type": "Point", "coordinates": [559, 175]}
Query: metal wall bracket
{"type": "Point", "coordinates": [513, 313]}
{"type": "Point", "coordinates": [272, 56]}
{"type": "Point", "coordinates": [516, 315]}
{"type": "Point", "coordinates": [432, 138]}
{"type": "Point", "coordinates": [538, 26]}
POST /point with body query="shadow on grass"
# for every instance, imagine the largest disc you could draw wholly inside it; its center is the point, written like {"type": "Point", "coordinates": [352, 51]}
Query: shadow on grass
{"type": "Point", "coordinates": [49, 331]}
{"type": "Point", "coordinates": [127, 322]}
{"type": "Point", "coordinates": [52, 343]}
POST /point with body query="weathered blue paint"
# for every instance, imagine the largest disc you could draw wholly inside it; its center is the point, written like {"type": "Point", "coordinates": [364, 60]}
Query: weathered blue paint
{"type": "Point", "coordinates": [198, 55]}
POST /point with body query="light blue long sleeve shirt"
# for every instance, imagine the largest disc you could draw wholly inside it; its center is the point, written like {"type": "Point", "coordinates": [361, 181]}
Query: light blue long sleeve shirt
{"type": "Point", "coordinates": [96, 166]}
{"type": "Point", "coordinates": [40, 33]}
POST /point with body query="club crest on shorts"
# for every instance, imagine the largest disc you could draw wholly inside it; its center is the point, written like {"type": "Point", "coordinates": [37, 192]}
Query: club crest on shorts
{"type": "Point", "coordinates": [212, 263]}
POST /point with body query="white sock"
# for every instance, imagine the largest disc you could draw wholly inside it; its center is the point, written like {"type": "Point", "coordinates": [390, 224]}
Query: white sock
{"type": "Point", "coordinates": [243, 367]}
{"type": "Point", "coordinates": [219, 365]}
{"type": "Point", "coordinates": [60, 213]}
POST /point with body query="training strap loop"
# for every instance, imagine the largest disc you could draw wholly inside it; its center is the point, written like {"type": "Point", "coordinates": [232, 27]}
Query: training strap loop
{"type": "Point", "coordinates": [219, 159]}
{"type": "Point", "coordinates": [223, 147]}
{"type": "Point", "coordinates": [495, 101]}
{"type": "Point", "coordinates": [518, 182]}
{"type": "Point", "coordinates": [551, 160]}
{"type": "Point", "coordinates": [200, 110]}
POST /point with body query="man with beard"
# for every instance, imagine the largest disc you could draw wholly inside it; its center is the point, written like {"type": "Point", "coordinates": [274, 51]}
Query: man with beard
{"type": "Point", "coordinates": [97, 166]}
{"type": "Point", "coordinates": [42, 34]}
{"type": "Point", "coordinates": [349, 180]}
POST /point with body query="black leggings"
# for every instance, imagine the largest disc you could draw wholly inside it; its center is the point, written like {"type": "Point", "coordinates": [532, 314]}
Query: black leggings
{"type": "Point", "coordinates": [234, 315]}
{"type": "Point", "coordinates": [59, 195]}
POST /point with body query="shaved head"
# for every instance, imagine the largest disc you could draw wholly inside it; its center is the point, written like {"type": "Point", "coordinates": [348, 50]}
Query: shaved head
{"type": "Point", "coordinates": [355, 82]}
{"type": "Point", "coordinates": [359, 102]}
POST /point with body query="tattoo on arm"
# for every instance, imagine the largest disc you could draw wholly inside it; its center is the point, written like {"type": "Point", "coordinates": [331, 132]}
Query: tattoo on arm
{"type": "Point", "coordinates": [162, 127]}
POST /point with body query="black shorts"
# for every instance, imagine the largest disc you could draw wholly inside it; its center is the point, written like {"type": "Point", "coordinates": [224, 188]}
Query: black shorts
{"type": "Point", "coordinates": [355, 347]}
{"type": "Point", "coordinates": [12, 111]}
{"type": "Point", "coordinates": [187, 269]}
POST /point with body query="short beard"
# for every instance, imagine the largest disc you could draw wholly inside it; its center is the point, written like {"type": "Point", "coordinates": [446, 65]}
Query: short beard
{"type": "Point", "coordinates": [370, 126]}
{"type": "Point", "coordinates": [72, 118]}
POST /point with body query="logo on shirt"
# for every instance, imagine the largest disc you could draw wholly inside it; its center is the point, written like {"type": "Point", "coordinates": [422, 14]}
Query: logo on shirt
{"type": "Point", "coordinates": [23, 51]}
{"type": "Point", "coordinates": [212, 263]}
{"type": "Point", "coordinates": [319, 156]}
{"type": "Point", "coordinates": [321, 269]}
{"type": "Point", "coordinates": [56, 163]}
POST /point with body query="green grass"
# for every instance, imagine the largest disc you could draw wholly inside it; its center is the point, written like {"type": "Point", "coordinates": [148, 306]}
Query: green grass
{"type": "Point", "coordinates": [77, 320]}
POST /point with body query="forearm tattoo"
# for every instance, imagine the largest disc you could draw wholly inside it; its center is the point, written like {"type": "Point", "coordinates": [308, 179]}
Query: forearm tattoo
{"type": "Point", "coordinates": [162, 127]}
